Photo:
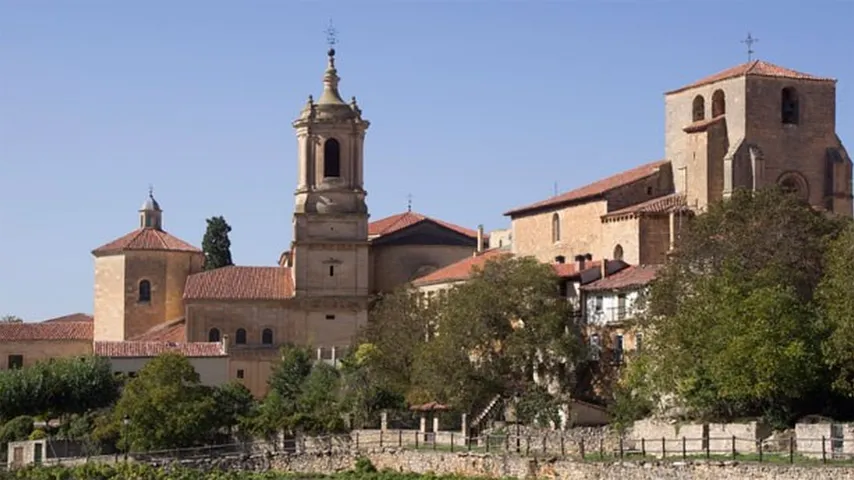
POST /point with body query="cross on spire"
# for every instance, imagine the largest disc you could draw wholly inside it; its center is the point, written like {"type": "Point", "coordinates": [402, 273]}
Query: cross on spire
{"type": "Point", "coordinates": [151, 190]}
{"type": "Point", "coordinates": [331, 35]}
{"type": "Point", "coordinates": [749, 41]}
{"type": "Point", "coordinates": [409, 202]}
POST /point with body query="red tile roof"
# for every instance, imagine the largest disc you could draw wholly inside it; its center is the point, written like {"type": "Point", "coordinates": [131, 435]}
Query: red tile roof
{"type": "Point", "coordinates": [145, 239]}
{"type": "Point", "coordinates": [756, 67]}
{"type": "Point", "coordinates": [462, 269]}
{"type": "Point", "coordinates": [74, 317]}
{"type": "Point", "coordinates": [394, 223]}
{"type": "Point", "coordinates": [12, 332]}
{"type": "Point", "coordinates": [153, 349]}
{"type": "Point", "coordinates": [594, 189]}
{"type": "Point", "coordinates": [173, 331]}
{"type": "Point", "coordinates": [702, 125]}
{"type": "Point", "coordinates": [570, 269]}
{"type": "Point", "coordinates": [241, 283]}
{"type": "Point", "coordinates": [675, 202]}
{"type": "Point", "coordinates": [633, 276]}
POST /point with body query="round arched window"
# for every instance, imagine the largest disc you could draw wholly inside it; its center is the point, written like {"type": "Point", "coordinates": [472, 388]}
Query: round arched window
{"type": "Point", "coordinates": [794, 184]}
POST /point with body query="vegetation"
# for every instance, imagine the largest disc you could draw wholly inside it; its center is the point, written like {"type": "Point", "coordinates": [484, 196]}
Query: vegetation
{"type": "Point", "coordinates": [216, 244]}
{"type": "Point", "coordinates": [11, 319]}
{"type": "Point", "coordinates": [751, 317]}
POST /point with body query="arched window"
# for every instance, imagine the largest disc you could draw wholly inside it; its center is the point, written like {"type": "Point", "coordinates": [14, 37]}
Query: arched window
{"type": "Point", "coordinates": [789, 106]}
{"type": "Point", "coordinates": [331, 158]}
{"type": "Point", "coordinates": [618, 252]}
{"type": "Point", "coordinates": [555, 228]}
{"type": "Point", "coordinates": [718, 103]}
{"type": "Point", "coordinates": [144, 291]}
{"type": "Point", "coordinates": [699, 108]}
{"type": "Point", "coordinates": [240, 337]}
{"type": "Point", "coordinates": [213, 335]}
{"type": "Point", "coordinates": [267, 337]}
{"type": "Point", "coordinates": [794, 184]}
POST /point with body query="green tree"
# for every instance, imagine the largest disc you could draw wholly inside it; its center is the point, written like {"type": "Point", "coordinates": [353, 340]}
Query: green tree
{"type": "Point", "coordinates": [234, 403]}
{"type": "Point", "coordinates": [836, 300]}
{"type": "Point", "coordinates": [216, 245]}
{"type": "Point", "coordinates": [166, 406]}
{"type": "Point", "coordinates": [364, 393]}
{"type": "Point", "coordinates": [11, 319]}
{"type": "Point", "coordinates": [735, 331]}
{"type": "Point", "coordinates": [498, 331]}
{"type": "Point", "coordinates": [319, 407]}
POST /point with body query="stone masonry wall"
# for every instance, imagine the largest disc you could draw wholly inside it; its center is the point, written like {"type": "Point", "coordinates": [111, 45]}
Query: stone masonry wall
{"type": "Point", "coordinates": [520, 467]}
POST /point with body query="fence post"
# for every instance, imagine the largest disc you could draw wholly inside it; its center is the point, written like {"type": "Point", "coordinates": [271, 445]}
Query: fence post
{"type": "Point", "coordinates": [452, 442]}
{"type": "Point", "coordinates": [545, 448]}
{"type": "Point", "coordinates": [663, 448]}
{"type": "Point", "coordinates": [381, 439]}
{"type": "Point", "coordinates": [506, 442]}
{"type": "Point", "coordinates": [581, 447]}
{"type": "Point", "coordinates": [643, 447]}
{"type": "Point", "coordinates": [468, 443]}
{"type": "Point", "coordinates": [708, 448]}
{"type": "Point", "coordinates": [434, 440]}
{"type": "Point", "coordinates": [562, 449]}
{"type": "Point", "coordinates": [759, 445]}
{"type": "Point", "coordinates": [823, 451]}
{"type": "Point", "coordinates": [417, 437]}
{"type": "Point", "coordinates": [684, 449]}
{"type": "Point", "coordinates": [487, 443]}
{"type": "Point", "coordinates": [601, 448]}
{"type": "Point", "coordinates": [400, 438]}
{"type": "Point", "coordinates": [527, 445]}
{"type": "Point", "coordinates": [357, 440]}
{"type": "Point", "coordinates": [733, 447]}
{"type": "Point", "coordinates": [791, 449]}
{"type": "Point", "coordinates": [621, 447]}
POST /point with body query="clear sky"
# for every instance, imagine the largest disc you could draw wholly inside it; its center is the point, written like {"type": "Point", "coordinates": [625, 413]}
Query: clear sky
{"type": "Point", "coordinates": [476, 107]}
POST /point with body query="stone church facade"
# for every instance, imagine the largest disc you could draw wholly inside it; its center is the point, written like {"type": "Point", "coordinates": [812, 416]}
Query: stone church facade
{"type": "Point", "coordinates": [750, 126]}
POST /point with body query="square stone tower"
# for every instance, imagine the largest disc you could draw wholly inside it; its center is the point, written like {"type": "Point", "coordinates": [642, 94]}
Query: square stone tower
{"type": "Point", "coordinates": [755, 125]}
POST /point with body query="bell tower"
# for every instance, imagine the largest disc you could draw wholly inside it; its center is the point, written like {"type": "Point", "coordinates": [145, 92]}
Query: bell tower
{"type": "Point", "coordinates": [330, 240]}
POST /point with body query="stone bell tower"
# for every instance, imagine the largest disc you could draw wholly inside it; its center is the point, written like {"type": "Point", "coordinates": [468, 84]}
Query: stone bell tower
{"type": "Point", "coordinates": [330, 240]}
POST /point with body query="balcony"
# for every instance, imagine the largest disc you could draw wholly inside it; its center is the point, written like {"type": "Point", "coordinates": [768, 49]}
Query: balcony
{"type": "Point", "coordinates": [609, 315]}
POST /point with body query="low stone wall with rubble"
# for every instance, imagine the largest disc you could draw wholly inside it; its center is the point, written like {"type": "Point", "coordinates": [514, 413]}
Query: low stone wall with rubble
{"type": "Point", "coordinates": [471, 464]}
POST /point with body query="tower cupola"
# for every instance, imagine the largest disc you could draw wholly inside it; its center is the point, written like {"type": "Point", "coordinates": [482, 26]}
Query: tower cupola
{"type": "Point", "coordinates": [150, 214]}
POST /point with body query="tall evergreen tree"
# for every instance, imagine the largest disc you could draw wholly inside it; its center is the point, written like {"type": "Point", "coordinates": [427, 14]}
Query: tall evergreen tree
{"type": "Point", "coordinates": [216, 245]}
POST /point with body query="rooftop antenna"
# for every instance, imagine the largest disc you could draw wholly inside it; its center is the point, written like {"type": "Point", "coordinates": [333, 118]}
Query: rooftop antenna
{"type": "Point", "coordinates": [749, 41]}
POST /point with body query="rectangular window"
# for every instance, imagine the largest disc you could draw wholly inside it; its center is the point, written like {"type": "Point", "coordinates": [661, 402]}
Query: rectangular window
{"type": "Point", "coordinates": [240, 373]}
{"type": "Point", "coordinates": [621, 307]}
{"type": "Point", "coordinates": [330, 317]}
{"type": "Point", "coordinates": [618, 349]}
{"type": "Point", "coordinates": [332, 270]}
{"type": "Point", "coordinates": [16, 361]}
{"type": "Point", "coordinates": [599, 302]}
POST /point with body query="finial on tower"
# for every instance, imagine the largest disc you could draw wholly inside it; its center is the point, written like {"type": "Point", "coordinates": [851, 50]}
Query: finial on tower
{"type": "Point", "coordinates": [150, 191]}
{"type": "Point", "coordinates": [749, 41]}
{"type": "Point", "coordinates": [409, 202]}
{"type": "Point", "coordinates": [331, 40]}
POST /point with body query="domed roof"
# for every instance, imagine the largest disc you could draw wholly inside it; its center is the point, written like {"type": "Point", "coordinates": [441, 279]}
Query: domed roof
{"type": "Point", "coordinates": [150, 203]}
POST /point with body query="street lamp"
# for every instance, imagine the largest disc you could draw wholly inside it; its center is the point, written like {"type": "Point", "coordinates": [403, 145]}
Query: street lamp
{"type": "Point", "coordinates": [125, 423]}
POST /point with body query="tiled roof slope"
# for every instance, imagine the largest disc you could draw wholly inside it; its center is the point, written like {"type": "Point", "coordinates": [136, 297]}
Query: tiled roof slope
{"type": "Point", "coordinates": [462, 269]}
{"type": "Point", "coordinates": [594, 189]}
{"type": "Point", "coordinates": [633, 276]}
{"type": "Point", "coordinates": [74, 317]}
{"type": "Point", "coordinates": [145, 239]}
{"type": "Point", "coordinates": [165, 332]}
{"type": "Point", "coordinates": [152, 349]}
{"type": "Point", "coordinates": [16, 332]}
{"type": "Point", "coordinates": [394, 223]}
{"type": "Point", "coordinates": [241, 283]}
{"type": "Point", "coordinates": [756, 67]}
{"type": "Point", "coordinates": [674, 202]}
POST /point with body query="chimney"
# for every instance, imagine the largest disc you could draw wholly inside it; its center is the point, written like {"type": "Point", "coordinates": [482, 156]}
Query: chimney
{"type": "Point", "coordinates": [224, 342]}
{"type": "Point", "coordinates": [580, 261]}
{"type": "Point", "coordinates": [479, 238]}
{"type": "Point", "coordinates": [604, 268]}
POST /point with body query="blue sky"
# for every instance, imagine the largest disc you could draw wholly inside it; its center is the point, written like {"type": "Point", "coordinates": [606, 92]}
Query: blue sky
{"type": "Point", "coordinates": [476, 107]}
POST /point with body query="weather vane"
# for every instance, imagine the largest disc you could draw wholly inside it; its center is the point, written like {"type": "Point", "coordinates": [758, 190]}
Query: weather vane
{"type": "Point", "coordinates": [331, 35]}
{"type": "Point", "coordinates": [749, 41]}
{"type": "Point", "coordinates": [409, 202]}
{"type": "Point", "coordinates": [151, 190]}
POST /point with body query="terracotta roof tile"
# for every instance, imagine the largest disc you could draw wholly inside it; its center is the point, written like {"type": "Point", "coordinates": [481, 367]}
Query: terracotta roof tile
{"type": "Point", "coordinates": [675, 202]}
{"type": "Point", "coordinates": [702, 125]}
{"type": "Point", "coordinates": [394, 223]}
{"type": "Point", "coordinates": [145, 239]}
{"type": "Point", "coordinates": [153, 349]}
{"type": "Point", "coordinates": [570, 269]}
{"type": "Point", "coordinates": [756, 67]}
{"type": "Point", "coordinates": [461, 270]}
{"type": "Point", "coordinates": [594, 189]}
{"type": "Point", "coordinates": [240, 283]}
{"type": "Point", "coordinates": [633, 276]}
{"type": "Point", "coordinates": [11, 332]}
{"type": "Point", "coordinates": [74, 317]}
{"type": "Point", "coordinates": [173, 331]}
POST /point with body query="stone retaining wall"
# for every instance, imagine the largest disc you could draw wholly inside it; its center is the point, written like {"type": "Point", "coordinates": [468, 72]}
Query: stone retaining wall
{"type": "Point", "coordinates": [519, 467]}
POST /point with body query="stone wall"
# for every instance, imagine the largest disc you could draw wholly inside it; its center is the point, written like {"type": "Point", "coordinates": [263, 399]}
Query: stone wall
{"type": "Point", "coordinates": [520, 467]}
